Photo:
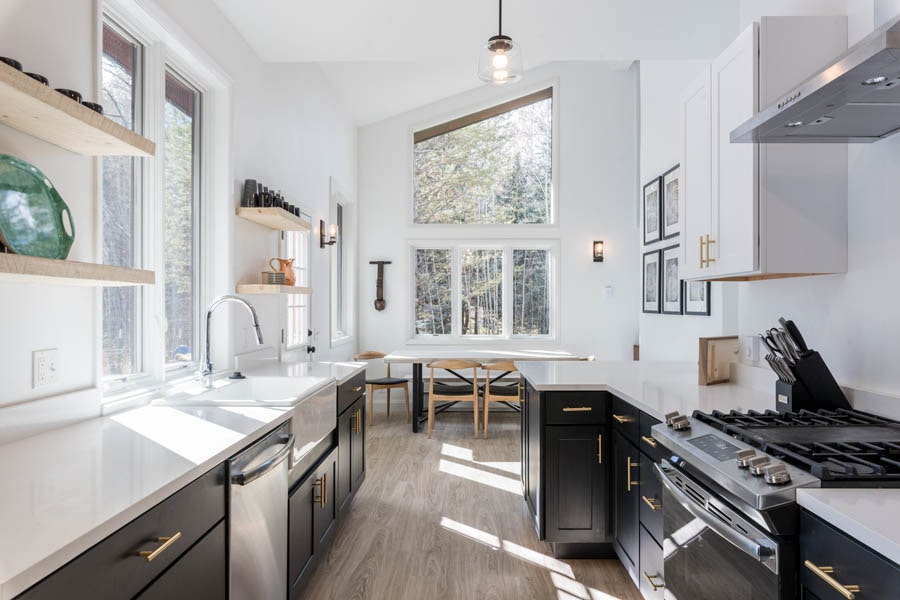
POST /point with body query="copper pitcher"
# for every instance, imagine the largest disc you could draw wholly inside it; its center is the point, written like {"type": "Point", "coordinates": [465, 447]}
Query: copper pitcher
{"type": "Point", "coordinates": [286, 266]}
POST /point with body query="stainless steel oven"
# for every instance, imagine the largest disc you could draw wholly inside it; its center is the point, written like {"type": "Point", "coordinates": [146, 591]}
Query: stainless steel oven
{"type": "Point", "coordinates": [712, 551]}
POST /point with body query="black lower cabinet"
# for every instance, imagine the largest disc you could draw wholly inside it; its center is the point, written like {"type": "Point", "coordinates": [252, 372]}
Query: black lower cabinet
{"type": "Point", "coordinates": [828, 553]}
{"type": "Point", "coordinates": [626, 501]}
{"type": "Point", "coordinates": [312, 521]}
{"type": "Point", "coordinates": [652, 582]}
{"type": "Point", "coordinates": [201, 573]}
{"type": "Point", "coordinates": [351, 451]}
{"type": "Point", "coordinates": [577, 490]}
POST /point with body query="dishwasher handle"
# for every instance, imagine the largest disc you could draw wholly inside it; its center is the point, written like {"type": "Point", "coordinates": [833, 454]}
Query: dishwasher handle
{"type": "Point", "coordinates": [245, 477]}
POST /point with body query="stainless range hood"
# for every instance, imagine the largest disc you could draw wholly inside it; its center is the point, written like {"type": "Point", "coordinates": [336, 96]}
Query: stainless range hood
{"type": "Point", "coordinates": [855, 99]}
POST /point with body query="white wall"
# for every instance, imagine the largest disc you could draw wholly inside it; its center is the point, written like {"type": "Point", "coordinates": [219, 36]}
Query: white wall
{"type": "Point", "coordinates": [596, 179]}
{"type": "Point", "coordinates": [287, 127]}
{"type": "Point", "coordinates": [673, 337]}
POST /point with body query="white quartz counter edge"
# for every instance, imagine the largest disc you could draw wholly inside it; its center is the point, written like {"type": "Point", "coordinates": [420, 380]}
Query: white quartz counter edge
{"type": "Point", "coordinates": [13, 584]}
{"type": "Point", "coordinates": [869, 516]}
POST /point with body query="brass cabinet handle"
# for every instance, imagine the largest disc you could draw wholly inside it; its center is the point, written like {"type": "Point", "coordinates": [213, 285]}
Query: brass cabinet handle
{"type": "Point", "coordinates": [622, 419]}
{"type": "Point", "coordinates": [577, 409]}
{"type": "Point", "coordinates": [357, 428]}
{"type": "Point", "coordinates": [709, 242]}
{"type": "Point", "coordinates": [702, 243]}
{"type": "Point", "coordinates": [824, 573]}
{"type": "Point", "coordinates": [599, 448]}
{"type": "Point", "coordinates": [322, 482]}
{"type": "Point", "coordinates": [357, 388]}
{"type": "Point", "coordinates": [650, 578]}
{"type": "Point", "coordinates": [649, 439]}
{"type": "Point", "coordinates": [631, 465]}
{"type": "Point", "coordinates": [149, 555]}
{"type": "Point", "coordinates": [653, 503]}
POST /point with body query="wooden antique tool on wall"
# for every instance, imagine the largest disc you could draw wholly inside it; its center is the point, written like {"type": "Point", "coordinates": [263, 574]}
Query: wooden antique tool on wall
{"type": "Point", "coordinates": [379, 283]}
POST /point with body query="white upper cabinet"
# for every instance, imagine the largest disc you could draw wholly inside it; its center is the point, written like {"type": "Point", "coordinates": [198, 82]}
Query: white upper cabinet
{"type": "Point", "coordinates": [761, 211]}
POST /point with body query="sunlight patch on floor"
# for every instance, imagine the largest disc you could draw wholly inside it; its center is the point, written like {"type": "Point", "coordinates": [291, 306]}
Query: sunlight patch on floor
{"type": "Point", "coordinates": [561, 574]}
{"type": "Point", "coordinates": [499, 482]}
{"type": "Point", "coordinates": [467, 455]}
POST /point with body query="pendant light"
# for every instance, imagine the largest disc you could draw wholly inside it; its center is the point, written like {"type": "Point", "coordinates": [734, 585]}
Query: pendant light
{"type": "Point", "coordinates": [500, 60]}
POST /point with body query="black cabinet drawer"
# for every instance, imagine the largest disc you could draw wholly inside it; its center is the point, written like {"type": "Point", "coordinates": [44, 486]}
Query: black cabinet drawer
{"type": "Point", "coordinates": [652, 583]}
{"type": "Point", "coordinates": [113, 569]}
{"type": "Point", "coordinates": [576, 408]}
{"type": "Point", "coordinates": [201, 573]}
{"type": "Point", "coordinates": [647, 443]}
{"type": "Point", "coordinates": [651, 499]}
{"type": "Point", "coordinates": [851, 563]}
{"type": "Point", "coordinates": [625, 419]}
{"type": "Point", "coordinates": [349, 391]}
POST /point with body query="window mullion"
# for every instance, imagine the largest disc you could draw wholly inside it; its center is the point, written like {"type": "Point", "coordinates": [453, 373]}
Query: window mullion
{"type": "Point", "coordinates": [506, 288]}
{"type": "Point", "coordinates": [456, 290]}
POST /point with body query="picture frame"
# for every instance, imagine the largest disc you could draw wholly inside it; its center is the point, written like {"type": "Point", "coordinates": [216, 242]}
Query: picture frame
{"type": "Point", "coordinates": [651, 276]}
{"type": "Point", "coordinates": [696, 298]}
{"type": "Point", "coordinates": [670, 283]}
{"type": "Point", "coordinates": [650, 208]}
{"type": "Point", "coordinates": [670, 188]}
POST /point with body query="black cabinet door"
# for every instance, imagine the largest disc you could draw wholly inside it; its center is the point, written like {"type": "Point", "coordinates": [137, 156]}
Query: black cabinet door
{"type": "Point", "coordinates": [345, 427]}
{"type": "Point", "coordinates": [626, 499]}
{"type": "Point", "coordinates": [301, 539]}
{"type": "Point", "coordinates": [577, 484]}
{"type": "Point", "coordinates": [201, 573]}
{"type": "Point", "coordinates": [651, 500]}
{"type": "Point", "coordinates": [358, 445]}
{"type": "Point", "coordinates": [324, 506]}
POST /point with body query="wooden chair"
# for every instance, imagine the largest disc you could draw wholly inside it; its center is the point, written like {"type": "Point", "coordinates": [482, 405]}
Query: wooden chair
{"type": "Point", "coordinates": [383, 383]}
{"type": "Point", "coordinates": [499, 392]}
{"type": "Point", "coordinates": [451, 392]}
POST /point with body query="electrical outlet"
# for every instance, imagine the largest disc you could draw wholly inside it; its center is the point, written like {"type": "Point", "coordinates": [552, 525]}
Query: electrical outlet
{"type": "Point", "coordinates": [751, 348]}
{"type": "Point", "coordinates": [45, 367]}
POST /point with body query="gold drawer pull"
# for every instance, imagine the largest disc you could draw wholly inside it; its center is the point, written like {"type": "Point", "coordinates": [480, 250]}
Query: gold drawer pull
{"type": "Point", "coordinates": [149, 555]}
{"type": "Point", "coordinates": [652, 442]}
{"type": "Point", "coordinates": [622, 419]}
{"type": "Point", "coordinates": [357, 428]}
{"type": "Point", "coordinates": [653, 503]}
{"type": "Point", "coordinates": [630, 482]}
{"type": "Point", "coordinates": [824, 573]}
{"type": "Point", "coordinates": [701, 251]}
{"type": "Point", "coordinates": [709, 242]}
{"type": "Point", "coordinates": [650, 578]}
{"type": "Point", "coordinates": [599, 448]}
{"type": "Point", "coordinates": [322, 482]}
{"type": "Point", "coordinates": [577, 409]}
{"type": "Point", "coordinates": [357, 388]}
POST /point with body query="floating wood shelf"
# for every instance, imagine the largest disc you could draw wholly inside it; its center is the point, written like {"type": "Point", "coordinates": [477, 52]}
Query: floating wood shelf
{"type": "Point", "coordinates": [274, 218]}
{"type": "Point", "coordinates": [32, 269]}
{"type": "Point", "coordinates": [261, 288]}
{"type": "Point", "coordinates": [41, 111]}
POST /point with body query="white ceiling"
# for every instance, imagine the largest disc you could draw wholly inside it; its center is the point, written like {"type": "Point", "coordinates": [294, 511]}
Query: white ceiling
{"type": "Point", "coordinates": [386, 57]}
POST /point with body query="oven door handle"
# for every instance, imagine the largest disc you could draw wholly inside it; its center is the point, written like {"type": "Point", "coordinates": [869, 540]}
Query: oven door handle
{"type": "Point", "coordinates": [748, 546]}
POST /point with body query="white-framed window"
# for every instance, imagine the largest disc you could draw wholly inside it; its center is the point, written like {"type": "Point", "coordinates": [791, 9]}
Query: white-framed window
{"type": "Point", "coordinates": [295, 329]}
{"type": "Point", "coordinates": [122, 204]}
{"type": "Point", "coordinates": [481, 290]}
{"type": "Point", "coordinates": [342, 266]}
{"type": "Point", "coordinates": [182, 261]}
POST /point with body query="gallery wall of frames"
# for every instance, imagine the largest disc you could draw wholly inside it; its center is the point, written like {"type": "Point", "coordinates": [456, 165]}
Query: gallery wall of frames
{"type": "Point", "coordinates": [663, 290]}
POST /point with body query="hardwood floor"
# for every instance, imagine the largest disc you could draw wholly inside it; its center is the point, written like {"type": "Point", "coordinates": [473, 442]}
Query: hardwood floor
{"type": "Point", "coordinates": [444, 518]}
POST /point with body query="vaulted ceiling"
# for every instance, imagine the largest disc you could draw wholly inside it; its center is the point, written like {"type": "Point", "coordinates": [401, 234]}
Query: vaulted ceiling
{"type": "Point", "coordinates": [386, 57]}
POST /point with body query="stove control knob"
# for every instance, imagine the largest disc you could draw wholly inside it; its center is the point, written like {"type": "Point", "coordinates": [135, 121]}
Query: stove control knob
{"type": "Point", "coordinates": [671, 417]}
{"type": "Point", "coordinates": [758, 465]}
{"type": "Point", "coordinates": [744, 457]}
{"type": "Point", "coordinates": [777, 474]}
{"type": "Point", "coordinates": [681, 423]}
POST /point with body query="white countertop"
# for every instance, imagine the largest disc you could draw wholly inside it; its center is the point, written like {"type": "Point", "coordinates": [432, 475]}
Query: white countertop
{"type": "Point", "coordinates": [656, 388]}
{"type": "Point", "coordinates": [67, 489]}
{"type": "Point", "coordinates": [868, 515]}
{"type": "Point", "coordinates": [272, 367]}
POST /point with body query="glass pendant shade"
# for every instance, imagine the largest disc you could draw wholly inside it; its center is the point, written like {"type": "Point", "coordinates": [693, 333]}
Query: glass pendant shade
{"type": "Point", "coordinates": [500, 61]}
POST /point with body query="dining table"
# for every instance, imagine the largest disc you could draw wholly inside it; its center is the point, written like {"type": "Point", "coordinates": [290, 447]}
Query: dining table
{"type": "Point", "coordinates": [419, 356]}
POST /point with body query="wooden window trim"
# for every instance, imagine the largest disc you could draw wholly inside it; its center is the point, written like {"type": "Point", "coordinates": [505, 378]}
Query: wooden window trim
{"type": "Point", "coordinates": [481, 115]}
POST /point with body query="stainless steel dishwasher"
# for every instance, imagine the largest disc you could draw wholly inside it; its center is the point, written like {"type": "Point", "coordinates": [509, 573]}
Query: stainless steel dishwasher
{"type": "Point", "coordinates": [258, 493]}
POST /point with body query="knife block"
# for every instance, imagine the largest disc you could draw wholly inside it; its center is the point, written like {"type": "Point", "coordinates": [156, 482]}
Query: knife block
{"type": "Point", "coordinates": [815, 388]}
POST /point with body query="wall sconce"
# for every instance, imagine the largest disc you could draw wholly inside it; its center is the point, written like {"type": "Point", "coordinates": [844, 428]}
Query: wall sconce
{"type": "Point", "coordinates": [331, 237]}
{"type": "Point", "coordinates": [598, 251]}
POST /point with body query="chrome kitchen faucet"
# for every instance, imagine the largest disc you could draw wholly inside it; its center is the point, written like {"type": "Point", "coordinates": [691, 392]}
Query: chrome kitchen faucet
{"type": "Point", "coordinates": [207, 372]}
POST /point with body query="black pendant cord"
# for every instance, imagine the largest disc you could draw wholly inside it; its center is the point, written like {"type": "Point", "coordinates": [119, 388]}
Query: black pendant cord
{"type": "Point", "coordinates": [500, 20]}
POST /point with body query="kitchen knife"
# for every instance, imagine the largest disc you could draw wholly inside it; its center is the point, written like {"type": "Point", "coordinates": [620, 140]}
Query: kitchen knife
{"type": "Point", "coordinates": [782, 349]}
{"type": "Point", "coordinates": [792, 352]}
{"type": "Point", "coordinates": [769, 342]}
{"type": "Point", "coordinates": [794, 333]}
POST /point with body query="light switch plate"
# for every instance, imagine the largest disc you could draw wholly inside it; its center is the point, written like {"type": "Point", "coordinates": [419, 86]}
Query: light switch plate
{"type": "Point", "coordinates": [750, 349]}
{"type": "Point", "coordinates": [45, 365]}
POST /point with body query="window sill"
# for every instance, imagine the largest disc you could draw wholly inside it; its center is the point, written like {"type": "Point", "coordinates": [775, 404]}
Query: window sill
{"type": "Point", "coordinates": [341, 341]}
